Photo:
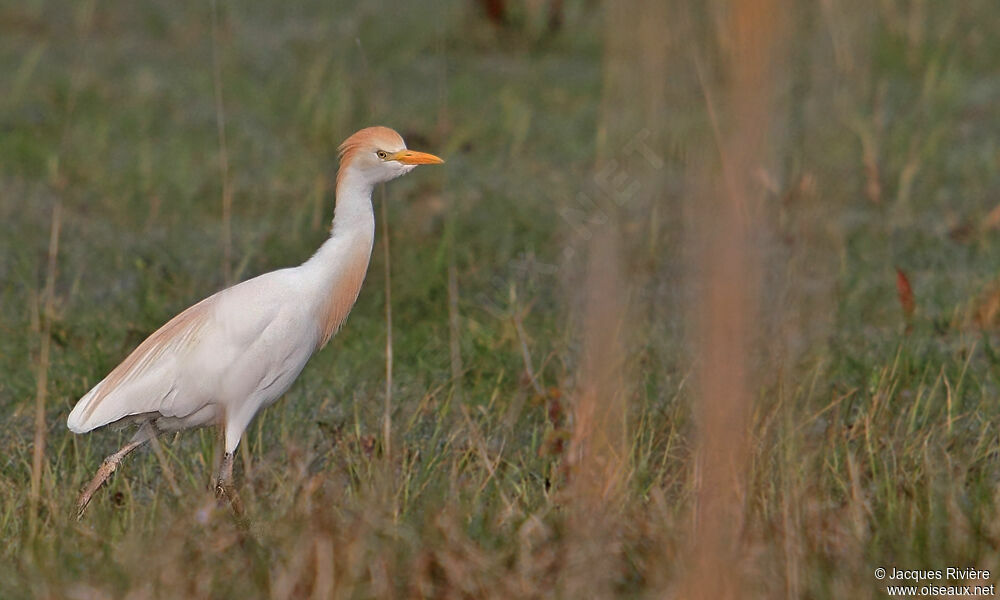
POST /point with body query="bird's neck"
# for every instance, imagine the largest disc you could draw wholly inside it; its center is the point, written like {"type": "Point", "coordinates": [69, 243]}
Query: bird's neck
{"type": "Point", "coordinates": [352, 213]}
{"type": "Point", "coordinates": [338, 268]}
{"type": "Point", "coordinates": [353, 225]}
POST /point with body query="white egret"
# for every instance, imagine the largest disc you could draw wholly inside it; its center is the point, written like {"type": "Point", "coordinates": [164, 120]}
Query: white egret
{"type": "Point", "coordinates": [237, 351]}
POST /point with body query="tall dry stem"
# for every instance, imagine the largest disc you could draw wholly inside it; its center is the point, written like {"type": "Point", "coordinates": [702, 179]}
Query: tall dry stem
{"type": "Point", "coordinates": [220, 123]}
{"type": "Point", "coordinates": [597, 451]}
{"type": "Point", "coordinates": [626, 183]}
{"type": "Point", "coordinates": [728, 227]}
{"type": "Point", "coordinates": [387, 408]}
{"type": "Point", "coordinates": [42, 376]}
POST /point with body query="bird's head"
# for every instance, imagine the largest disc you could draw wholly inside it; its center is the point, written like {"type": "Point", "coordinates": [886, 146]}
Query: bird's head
{"type": "Point", "coordinates": [379, 154]}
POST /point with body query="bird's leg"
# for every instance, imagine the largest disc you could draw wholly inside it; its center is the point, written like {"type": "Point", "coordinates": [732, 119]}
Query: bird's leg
{"type": "Point", "coordinates": [145, 433]}
{"type": "Point", "coordinates": [224, 484]}
{"type": "Point", "coordinates": [225, 478]}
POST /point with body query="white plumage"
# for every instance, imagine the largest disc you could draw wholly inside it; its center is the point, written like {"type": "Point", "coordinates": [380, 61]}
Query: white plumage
{"type": "Point", "coordinates": [237, 351]}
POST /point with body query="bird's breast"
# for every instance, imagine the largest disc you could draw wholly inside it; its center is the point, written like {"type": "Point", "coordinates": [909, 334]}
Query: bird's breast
{"type": "Point", "coordinates": [342, 292]}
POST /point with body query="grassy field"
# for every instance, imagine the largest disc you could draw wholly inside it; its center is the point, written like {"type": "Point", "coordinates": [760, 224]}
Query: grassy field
{"type": "Point", "coordinates": [552, 431]}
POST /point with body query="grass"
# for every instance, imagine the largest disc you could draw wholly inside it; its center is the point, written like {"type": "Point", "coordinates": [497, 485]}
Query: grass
{"type": "Point", "coordinates": [872, 438]}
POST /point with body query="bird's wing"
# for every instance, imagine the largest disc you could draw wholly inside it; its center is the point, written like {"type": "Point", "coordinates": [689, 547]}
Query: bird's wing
{"type": "Point", "coordinates": [146, 377]}
{"type": "Point", "coordinates": [206, 354]}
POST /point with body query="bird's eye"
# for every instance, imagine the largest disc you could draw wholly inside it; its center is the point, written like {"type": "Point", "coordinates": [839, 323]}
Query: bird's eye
{"type": "Point", "coordinates": [382, 154]}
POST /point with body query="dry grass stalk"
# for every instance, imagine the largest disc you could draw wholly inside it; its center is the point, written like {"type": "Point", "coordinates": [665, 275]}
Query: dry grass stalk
{"type": "Point", "coordinates": [387, 410]}
{"type": "Point", "coordinates": [220, 122]}
{"type": "Point", "coordinates": [597, 455]}
{"type": "Point", "coordinates": [597, 452]}
{"type": "Point", "coordinates": [41, 387]}
{"type": "Point", "coordinates": [168, 473]}
{"type": "Point", "coordinates": [869, 154]}
{"type": "Point", "coordinates": [728, 225]}
{"type": "Point", "coordinates": [444, 130]}
{"type": "Point", "coordinates": [522, 338]}
{"type": "Point", "coordinates": [454, 323]}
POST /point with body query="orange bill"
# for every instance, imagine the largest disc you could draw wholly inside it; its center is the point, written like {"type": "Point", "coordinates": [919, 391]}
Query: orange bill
{"type": "Point", "coordinates": [412, 157]}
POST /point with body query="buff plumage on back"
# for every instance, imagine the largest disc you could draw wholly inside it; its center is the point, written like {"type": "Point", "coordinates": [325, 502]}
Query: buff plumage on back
{"type": "Point", "coordinates": [172, 338]}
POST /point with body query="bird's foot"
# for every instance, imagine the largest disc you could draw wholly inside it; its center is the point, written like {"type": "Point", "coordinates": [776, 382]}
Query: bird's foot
{"type": "Point", "coordinates": [224, 492]}
{"type": "Point", "coordinates": [106, 469]}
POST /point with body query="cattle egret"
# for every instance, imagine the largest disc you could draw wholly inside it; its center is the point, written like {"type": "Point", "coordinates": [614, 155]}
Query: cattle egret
{"type": "Point", "coordinates": [237, 351]}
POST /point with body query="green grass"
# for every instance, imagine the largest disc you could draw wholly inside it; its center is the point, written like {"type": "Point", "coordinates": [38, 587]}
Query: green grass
{"type": "Point", "coordinates": [872, 445]}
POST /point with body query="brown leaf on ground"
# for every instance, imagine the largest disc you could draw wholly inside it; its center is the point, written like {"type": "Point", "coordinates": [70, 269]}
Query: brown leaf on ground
{"type": "Point", "coordinates": [986, 308]}
{"type": "Point", "coordinates": [963, 232]}
{"type": "Point", "coordinates": [906, 299]}
{"type": "Point", "coordinates": [992, 220]}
